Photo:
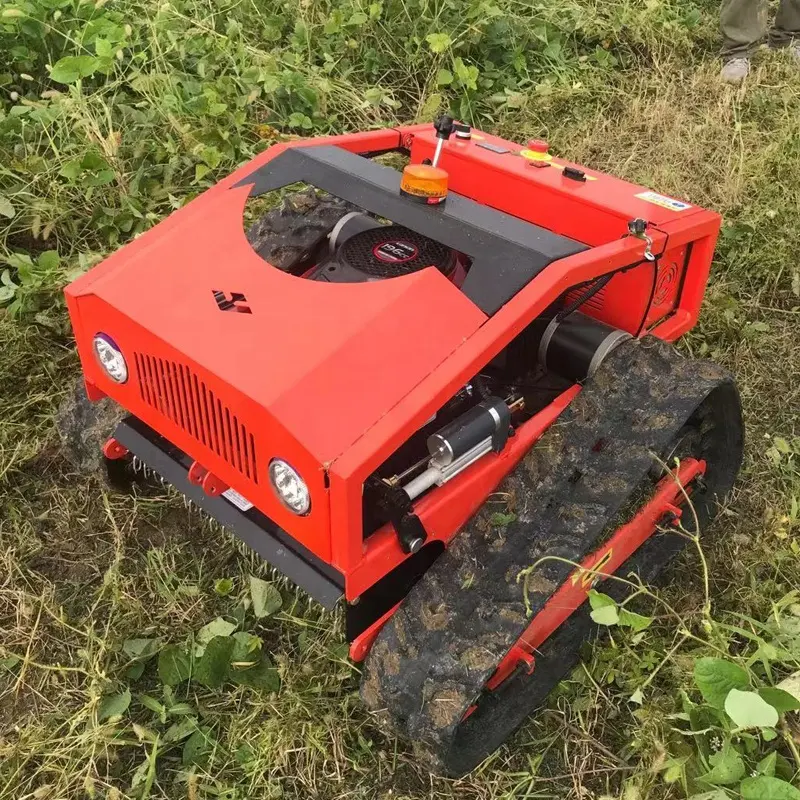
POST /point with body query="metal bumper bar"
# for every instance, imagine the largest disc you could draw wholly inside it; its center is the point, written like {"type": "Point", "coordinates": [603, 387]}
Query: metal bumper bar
{"type": "Point", "coordinates": [274, 545]}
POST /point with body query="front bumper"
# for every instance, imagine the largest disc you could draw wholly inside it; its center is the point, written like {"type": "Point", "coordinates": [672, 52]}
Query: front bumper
{"type": "Point", "coordinates": [324, 583]}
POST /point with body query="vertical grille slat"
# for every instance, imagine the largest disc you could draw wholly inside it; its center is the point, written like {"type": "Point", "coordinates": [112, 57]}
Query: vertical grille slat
{"type": "Point", "coordinates": [177, 393]}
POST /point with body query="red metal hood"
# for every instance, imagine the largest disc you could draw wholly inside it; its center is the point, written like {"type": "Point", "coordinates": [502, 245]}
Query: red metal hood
{"type": "Point", "coordinates": [325, 361]}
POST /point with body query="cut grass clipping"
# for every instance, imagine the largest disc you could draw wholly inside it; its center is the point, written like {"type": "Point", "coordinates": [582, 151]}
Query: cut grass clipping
{"type": "Point", "coordinates": [142, 653]}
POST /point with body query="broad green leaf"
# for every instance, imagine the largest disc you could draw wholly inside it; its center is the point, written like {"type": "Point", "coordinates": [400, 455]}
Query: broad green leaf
{"type": "Point", "coordinates": [767, 765]}
{"type": "Point", "coordinates": [6, 207]}
{"type": "Point", "coordinates": [780, 699]}
{"type": "Point", "coordinates": [637, 697]}
{"type": "Point", "coordinates": [630, 619]}
{"type": "Point", "coordinates": [791, 684]}
{"type": "Point", "coordinates": [433, 102]}
{"type": "Point", "coordinates": [174, 665]}
{"type": "Point", "coordinates": [768, 734]}
{"type": "Point", "coordinates": [715, 677]}
{"type": "Point", "coordinates": [212, 668]}
{"type": "Point", "coordinates": [265, 596]}
{"type": "Point", "coordinates": [606, 615]}
{"type": "Point", "coordinates": [49, 260]}
{"type": "Point", "coordinates": [217, 627]}
{"type": "Point", "coordinates": [727, 767]}
{"type": "Point", "coordinates": [604, 608]}
{"type": "Point", "coordinates": [180, 730]}
{"type": "Point", "coordinates": [438, 42]}
{"type": "Point", "coordinates": [444, 77]}
{"type": "Point", "coordinates": [140, 648]}
{"type": "Point", "coordinates": [246, 648]}
{"type": "Point", "coordinates": [223, 587]}
{"type": "Point", "coordinates": [750, 710]}
{"type": "Point", "coordinates": [71, 169]}
{"type": "Point", "coordinates": [70, 68]}
{"type": "Point", "coordinates": [198, 747]}
{"type": "Point", "coordinates": [114, 705]}
{"type": "Point", "coordinates": [262, 676]}
{"type": "Point", "coordinates": [764, 787]}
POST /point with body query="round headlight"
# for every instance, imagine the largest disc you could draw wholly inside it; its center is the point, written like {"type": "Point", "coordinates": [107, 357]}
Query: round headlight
{"type": "Point", "coordinates": [289, 486]}
{"type": "Point", "coordinates": [110, 358]}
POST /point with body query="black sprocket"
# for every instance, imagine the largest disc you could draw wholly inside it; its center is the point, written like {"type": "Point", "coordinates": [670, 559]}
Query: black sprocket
{"type": "Point", "coordinates": [434, 656]}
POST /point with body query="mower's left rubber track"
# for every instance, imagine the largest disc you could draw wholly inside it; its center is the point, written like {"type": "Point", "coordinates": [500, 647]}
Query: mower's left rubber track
{"type": "Point", "coordinates": [431, 661]}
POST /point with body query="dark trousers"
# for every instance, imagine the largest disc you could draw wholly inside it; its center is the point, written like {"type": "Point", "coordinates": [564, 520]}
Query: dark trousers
{"type": "Point", "coordinates": [744, 24]}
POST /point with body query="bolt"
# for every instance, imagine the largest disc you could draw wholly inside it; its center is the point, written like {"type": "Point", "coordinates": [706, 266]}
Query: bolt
{"type": "Point", "coordinates": [415, 544]}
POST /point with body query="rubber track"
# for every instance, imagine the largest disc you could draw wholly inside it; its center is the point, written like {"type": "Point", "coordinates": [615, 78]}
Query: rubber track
{"type": "Point", "coordinates": [288, 233]}
{"type": "Point", "coordinates": [435, 654]}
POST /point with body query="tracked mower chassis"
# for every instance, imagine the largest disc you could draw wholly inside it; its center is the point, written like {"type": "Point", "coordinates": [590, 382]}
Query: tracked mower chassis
{"type": "Point", "coordinates": [579, 483]}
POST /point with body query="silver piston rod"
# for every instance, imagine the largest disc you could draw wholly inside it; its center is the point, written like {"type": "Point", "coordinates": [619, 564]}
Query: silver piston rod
{"type": "Point", "coordinates": [481, 430]}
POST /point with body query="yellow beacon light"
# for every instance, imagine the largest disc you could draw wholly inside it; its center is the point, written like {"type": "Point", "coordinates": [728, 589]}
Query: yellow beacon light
{"type": "Point", "coordinates": [424, 183]}
{"type": "Point", "coordinates": [427, 183]}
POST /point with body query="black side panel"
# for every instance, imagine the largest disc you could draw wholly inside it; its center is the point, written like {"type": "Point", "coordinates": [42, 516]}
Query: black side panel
{"type": "Point", "coordinates": [320, 580]}
{"type": "Point", "coordinates": [506, 252]}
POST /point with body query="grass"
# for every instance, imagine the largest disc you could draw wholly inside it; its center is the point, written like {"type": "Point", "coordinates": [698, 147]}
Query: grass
{"type": "Point", "coordinates": [630, 88]}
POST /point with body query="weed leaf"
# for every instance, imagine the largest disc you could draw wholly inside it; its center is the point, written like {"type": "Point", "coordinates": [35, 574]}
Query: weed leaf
{"type": "Point", "coordinates": [781, 700]}
{"type": "Point", "coordinates": [715, 677]}
{"type": "Point", "coordinates": [791, 684]}
{"type": "Point", "coordinates": [750, 710]}
{"type": "Point", "coordinates": [765, 787]}
{"type": "Point", "coordinates": [212, 668]}
{"type": "Point", "coordinates": [114, 705]}
{"type": "Point", "coordinates": [198, 747]}
{"type": "Point", "coordinates": [246, 648]}
{"type": "Point", "coordinates": [174, 665]}
{"type": "Point", "coordinates": [630, 619]}
{"type": "Point", "coordinates": [154, 705]}
{"type": "Point", "coordinates": [727, 767]}
{"type": "Point", "coordinates": [140, 648]}
{"type": "Point", "coordinates": [71, 68]}
{"type": "Point", "coordinates": [604, 608]}
{"type": "Point", "coordinates": [6, 207]}
{"type": "Point", "coordinates": [767, 765]}
{"type": "Point", "coordinates": [438, 42]}
{"type": "Point", "coordinates": [266, 598]}
{"type": "Point", "coordinates": [217, 627]}
{"type": "Point", "coordinates": [262, 676]}
{"type": "Point", "coordinates": [180, 730]}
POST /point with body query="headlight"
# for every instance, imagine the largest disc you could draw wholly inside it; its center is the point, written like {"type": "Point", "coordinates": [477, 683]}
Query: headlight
{"type": "Point", "coordinates": [289, 486]}
{"type": "Point", "coordinates": [110, 358]}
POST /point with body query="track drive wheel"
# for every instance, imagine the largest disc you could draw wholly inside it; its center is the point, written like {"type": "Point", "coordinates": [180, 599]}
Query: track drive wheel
{"type": "Point", "coordinates": [462, 664]}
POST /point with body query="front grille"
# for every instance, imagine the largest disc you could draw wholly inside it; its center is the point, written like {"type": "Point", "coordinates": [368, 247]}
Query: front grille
{"type": "Point", "coordinates": [175, 391]}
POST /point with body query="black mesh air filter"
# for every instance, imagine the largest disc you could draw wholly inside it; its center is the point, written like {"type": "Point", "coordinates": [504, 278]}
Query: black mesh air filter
{"type": "Point", "coordinates": [392, 250]}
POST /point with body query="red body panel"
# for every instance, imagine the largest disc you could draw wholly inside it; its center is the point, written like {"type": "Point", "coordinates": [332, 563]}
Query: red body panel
{"type": "Point", "coordinates": [333, 378]}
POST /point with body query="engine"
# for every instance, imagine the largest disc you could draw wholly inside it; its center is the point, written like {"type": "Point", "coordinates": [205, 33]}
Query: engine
{"type": "Point", "coordinates": [360, 249]}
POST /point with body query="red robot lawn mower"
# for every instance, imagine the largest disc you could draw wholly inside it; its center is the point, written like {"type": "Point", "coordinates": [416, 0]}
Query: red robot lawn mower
{"type": "Point", "coordinates": [443, 395]}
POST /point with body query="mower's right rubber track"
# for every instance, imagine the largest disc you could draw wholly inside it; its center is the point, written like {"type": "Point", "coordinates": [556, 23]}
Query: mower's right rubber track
{"type": "Point", "coordinates": [577, 485]}
{"type": "Point", "coordinates": [288, 234]}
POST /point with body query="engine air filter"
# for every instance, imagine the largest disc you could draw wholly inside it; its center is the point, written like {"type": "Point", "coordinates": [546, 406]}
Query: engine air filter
{"type": "Point", "coordinates": [393, 250]}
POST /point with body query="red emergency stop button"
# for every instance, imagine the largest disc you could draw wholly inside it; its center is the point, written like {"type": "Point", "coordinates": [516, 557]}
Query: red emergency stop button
{"type": "Point", "coordinates": [538, 145]}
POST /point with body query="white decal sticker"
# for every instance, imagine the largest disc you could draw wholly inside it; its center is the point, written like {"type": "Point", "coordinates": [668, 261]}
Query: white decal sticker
{"type": "Point", "coordinates": [662, 200]}
{"type": "Point", "coordinates": [242, 503]}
